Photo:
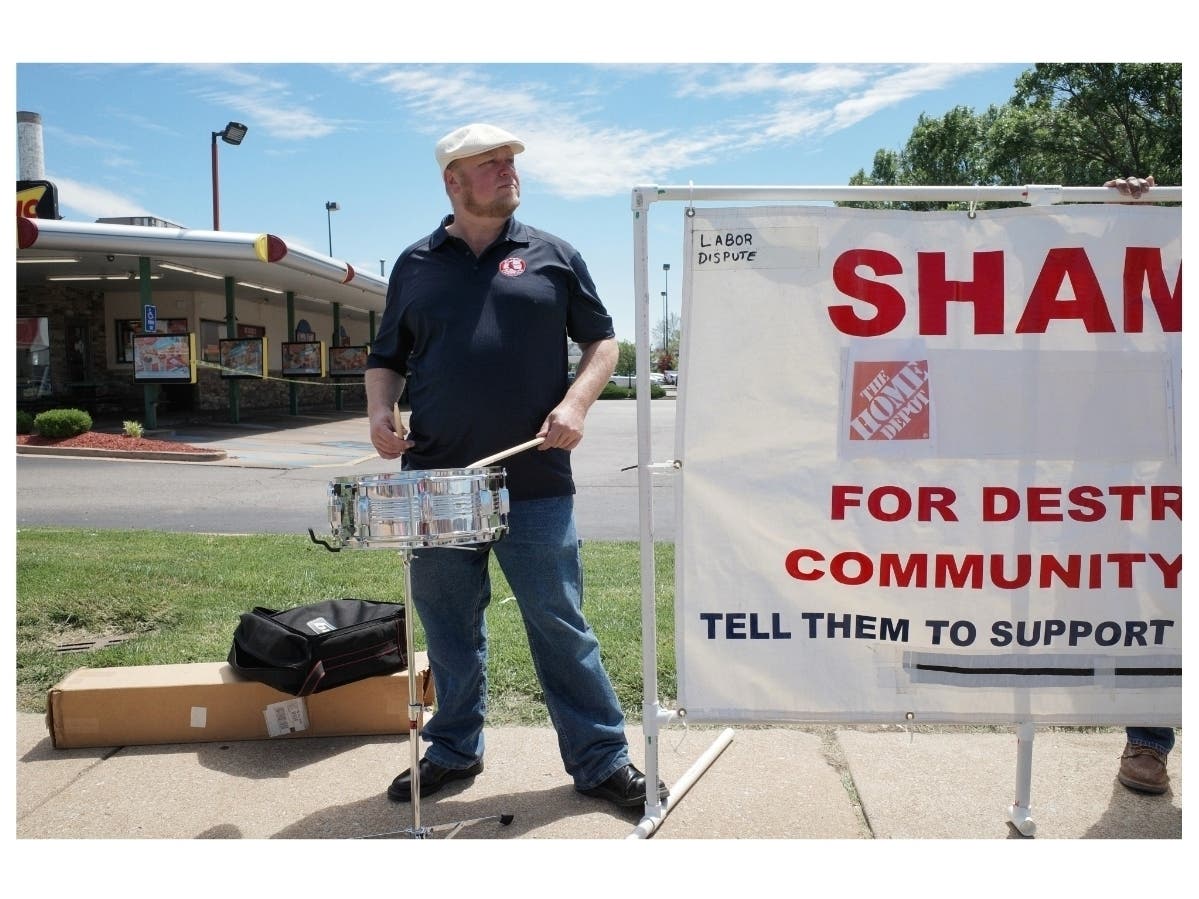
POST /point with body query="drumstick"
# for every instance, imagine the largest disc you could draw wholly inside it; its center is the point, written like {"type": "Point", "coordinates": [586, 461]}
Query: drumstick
{"type": "Point", "coordinates": [399, 424]}
{"type": "Point", "coordinates": [511, 451]}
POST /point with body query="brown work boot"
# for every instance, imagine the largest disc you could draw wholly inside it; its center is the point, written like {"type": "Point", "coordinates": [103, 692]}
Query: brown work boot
{"type": "Point", "coordinates": [1143, 769]}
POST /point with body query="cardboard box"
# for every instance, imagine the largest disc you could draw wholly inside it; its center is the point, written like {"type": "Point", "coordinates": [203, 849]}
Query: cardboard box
{"type": "Point", "coordinates": [208, 701]}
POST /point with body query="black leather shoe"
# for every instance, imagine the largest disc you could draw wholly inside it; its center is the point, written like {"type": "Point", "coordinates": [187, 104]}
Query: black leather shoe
{"type": "Point", "coordinates": [432, 778]}
{"type": "Point", "coordinates": [626, 788]}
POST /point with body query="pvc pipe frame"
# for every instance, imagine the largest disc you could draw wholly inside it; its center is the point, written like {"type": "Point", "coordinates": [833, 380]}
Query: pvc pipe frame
{"type": "Point", "coordinates": [642, 198]}
{"type": "Point", "coordinates": [1020, 811]}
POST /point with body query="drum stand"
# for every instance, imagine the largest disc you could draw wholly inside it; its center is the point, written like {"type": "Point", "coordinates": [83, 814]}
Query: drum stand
{"type": "Point", "coordinates": [415, 712]}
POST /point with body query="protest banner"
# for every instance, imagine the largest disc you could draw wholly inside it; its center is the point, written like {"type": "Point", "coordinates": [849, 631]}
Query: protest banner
{"type": "Point", "coordinates": [931, 466]}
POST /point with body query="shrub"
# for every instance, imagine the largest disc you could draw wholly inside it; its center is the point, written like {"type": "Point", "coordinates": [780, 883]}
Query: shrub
{"type": "Point", "coordinates": [656, 391]}
{"type": "Point", "coordinates": [56, 423]}
{"type": "Point", "coordinates": [24, 422]}
{"type": "Point", "coordinates": [134, 429]}
{"type": "Point", "coordinates": [612, 392]}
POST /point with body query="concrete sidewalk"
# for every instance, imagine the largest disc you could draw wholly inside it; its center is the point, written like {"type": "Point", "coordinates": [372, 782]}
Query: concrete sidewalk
{"type": "Point", "coordinates": [821, 783]}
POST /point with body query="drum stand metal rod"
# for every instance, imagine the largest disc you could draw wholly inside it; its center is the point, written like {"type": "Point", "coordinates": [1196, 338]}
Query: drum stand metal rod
{"type": "Point", "coordinates": [415, 713]}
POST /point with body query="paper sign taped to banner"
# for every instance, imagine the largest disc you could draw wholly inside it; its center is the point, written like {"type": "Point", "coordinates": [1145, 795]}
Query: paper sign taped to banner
{"type": "Point", "coordinates": [945, 483]}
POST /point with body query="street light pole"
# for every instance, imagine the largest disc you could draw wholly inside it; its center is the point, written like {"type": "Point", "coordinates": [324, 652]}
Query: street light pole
{"type": "Point", "coordinates": [664, 325]}
{"type": "Point", "coordinates": [665, 308]}
{"type": "Point", "coordinates": [233, 134]}
{"type": "Point", "coordinates": [330, 208]}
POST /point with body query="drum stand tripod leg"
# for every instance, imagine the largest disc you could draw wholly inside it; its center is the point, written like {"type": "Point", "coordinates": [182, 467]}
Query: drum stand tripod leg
{"type": "Point", "coordinates": [415, 713]}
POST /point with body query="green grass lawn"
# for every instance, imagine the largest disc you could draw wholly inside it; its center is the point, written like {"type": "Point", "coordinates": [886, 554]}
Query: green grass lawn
{"type": "Point", "coordinates": [168, 598]}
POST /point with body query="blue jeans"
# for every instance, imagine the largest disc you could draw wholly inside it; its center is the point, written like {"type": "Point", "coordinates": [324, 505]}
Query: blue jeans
{"type": "Point", "coordinates": [451, 589]}
{"type": "Point", "coordinates": [1159, 738]}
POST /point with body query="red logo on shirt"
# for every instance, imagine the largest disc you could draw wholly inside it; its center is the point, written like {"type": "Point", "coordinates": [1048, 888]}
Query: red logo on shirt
{"type": "Point", "coordinates": [513, 267]}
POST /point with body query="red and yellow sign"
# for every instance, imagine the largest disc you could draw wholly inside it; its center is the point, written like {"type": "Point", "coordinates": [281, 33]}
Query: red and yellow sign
{"type": "Point", "coordinates": [37, 200]}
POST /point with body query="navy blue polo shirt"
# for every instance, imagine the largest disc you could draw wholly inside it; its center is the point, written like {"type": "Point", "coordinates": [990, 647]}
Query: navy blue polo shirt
{"type": "Point", "coordinates": [482, 342]}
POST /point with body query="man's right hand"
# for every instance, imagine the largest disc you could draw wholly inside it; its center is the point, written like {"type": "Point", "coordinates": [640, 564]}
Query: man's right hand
{"type": "Point", "coordinates": [384, 386]}
{"type": "Point", "coordinates": [386, 435]}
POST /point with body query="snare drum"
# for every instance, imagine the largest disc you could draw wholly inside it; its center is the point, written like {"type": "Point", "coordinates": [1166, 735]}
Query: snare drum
{"type": "Point", "coordinates": [436, 507]}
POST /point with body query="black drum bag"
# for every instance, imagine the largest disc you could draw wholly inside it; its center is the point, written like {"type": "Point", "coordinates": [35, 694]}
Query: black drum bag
{"type": "Point", "coordinates": [320, 646]}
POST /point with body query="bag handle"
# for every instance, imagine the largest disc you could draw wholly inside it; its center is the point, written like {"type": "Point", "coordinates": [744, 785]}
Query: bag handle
{"type": "Point", "coordinates": [315, 675]}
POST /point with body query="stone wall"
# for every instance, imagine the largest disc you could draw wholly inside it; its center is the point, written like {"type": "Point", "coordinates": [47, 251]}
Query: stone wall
{"type": "Point", "coordinates": [273, 393]}
{"type": "Point", "coordinates": [64, 306]}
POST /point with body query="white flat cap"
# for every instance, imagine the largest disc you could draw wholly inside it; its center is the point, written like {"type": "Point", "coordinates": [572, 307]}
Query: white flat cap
{"type": "Point", "coordinates": [470, 140]}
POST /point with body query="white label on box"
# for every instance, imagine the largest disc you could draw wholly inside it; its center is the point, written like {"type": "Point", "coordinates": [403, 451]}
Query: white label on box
{"type": "Point", "coordinates": [287, 717]}
{"type": "Point", "coordinates": [199, 716]}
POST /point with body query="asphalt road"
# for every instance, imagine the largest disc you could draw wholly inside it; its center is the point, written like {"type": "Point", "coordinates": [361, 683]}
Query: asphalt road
{"type": "Point", "coordinates": [276, 476]}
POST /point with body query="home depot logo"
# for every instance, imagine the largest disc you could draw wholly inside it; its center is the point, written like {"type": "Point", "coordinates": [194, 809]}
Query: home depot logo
{"type": "Point", "coordinates": [37, 200]}
{"type": "Point", "coordinates": [890, 401]}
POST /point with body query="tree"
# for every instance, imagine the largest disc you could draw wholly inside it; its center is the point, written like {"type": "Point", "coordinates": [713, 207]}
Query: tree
{"type": "Point", "coordinates": [948, 150]}
{"type": "Point", "coordinates": [1067, 123]}
{"type": "Point", "coordinates": [1106, 119]}
{"type": "Point", "coordinates": [673, 328]}
{"type": "Point", "coordinates": [885, 172]}
{"type": "Point", "coordinates": [951, 150]}
{"type": "Point", "coordinates": [626, 362]}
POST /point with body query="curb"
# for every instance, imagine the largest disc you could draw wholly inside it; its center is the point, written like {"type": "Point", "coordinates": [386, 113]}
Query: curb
{"type": "Point", "coordinates": [156, 455]}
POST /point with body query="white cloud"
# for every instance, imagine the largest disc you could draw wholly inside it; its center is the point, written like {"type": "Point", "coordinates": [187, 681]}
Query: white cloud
{"type": "Point", "coordinates": [569, 149]}
{"type": "Point", "coordinates": [895, 88]}
{"type": "Point", "coordinates": [736, 80]}
{"type": "Point", "coordinates": [267, 102]}
{"type": "Point", "coordinates": [96, 202]}
{"type": "Point", "coordinates": [444, 95]}
{"type": "Point", "coordinates": [575, 149]}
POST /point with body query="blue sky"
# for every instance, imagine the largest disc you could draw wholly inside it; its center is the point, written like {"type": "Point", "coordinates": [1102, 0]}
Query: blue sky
{"type": "Point", "coordinates": [136, 140]}
{"type": "Point", "coordinates": [133, 138]}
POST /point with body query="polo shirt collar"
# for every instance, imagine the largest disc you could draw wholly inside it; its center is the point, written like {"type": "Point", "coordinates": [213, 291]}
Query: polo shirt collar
{"type": "Point", "coordinates": [514, 232]}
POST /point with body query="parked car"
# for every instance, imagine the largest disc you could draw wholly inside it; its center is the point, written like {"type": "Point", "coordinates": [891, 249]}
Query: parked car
{"type": "Point", "coordinates": [670, 377]}
{"type": "Point", "coordinates": [630, 381]}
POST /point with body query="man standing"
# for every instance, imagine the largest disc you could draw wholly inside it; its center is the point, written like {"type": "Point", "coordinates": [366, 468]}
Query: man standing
{"type": "Point", "coordinates": [1147, 750]}
{"type": "Point", "coordinates": [476, 324]}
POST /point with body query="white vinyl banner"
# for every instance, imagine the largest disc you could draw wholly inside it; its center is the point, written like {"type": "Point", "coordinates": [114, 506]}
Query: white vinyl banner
{"type": "Point", "coordinates": [931, 466]}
